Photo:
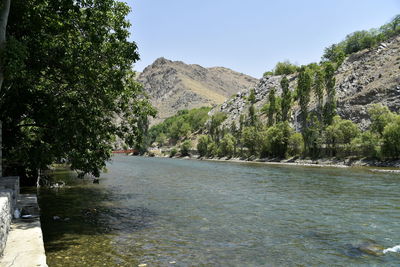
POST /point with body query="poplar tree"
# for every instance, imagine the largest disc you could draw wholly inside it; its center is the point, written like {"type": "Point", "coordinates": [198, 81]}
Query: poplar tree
{"type": "Point", "coordinates": [272, 106]}
{"type": "Point", "coordinates": [286, 99]}
{"type": "Point", "coordinates": [330, 105]}
{"type": "Point", "coordinates": [319, 92]}
{"type": "Point", "coordinates": [303, 90]}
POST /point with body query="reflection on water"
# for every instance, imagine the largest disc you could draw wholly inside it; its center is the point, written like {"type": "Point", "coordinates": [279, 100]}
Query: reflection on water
{"type": "Point", "coordinates": [168, 212]}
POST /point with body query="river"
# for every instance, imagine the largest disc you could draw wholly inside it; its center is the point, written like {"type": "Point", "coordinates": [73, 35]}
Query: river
{"type": "Point", "coordinates": [171, 212]}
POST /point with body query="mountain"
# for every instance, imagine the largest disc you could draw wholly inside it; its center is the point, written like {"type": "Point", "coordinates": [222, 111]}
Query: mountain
{"type": "Point", "coordinates": [367, 77]}
{"type": "Point", "coordinates": [174, 85]}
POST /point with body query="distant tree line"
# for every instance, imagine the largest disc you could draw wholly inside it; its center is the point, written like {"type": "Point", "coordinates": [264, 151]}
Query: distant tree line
{"type": "Point", "coordinates": [177, 127]}
{"type": "Point", "coordinates": [322, 133]}
{"type": "Point", "coordinates": [354, 42]}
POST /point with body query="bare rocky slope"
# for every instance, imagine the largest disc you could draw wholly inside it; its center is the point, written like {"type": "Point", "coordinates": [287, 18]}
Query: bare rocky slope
{"type": "Point", "coordinates": [174, 85]}
{"type": "Point", "coordinates": [367, 77]}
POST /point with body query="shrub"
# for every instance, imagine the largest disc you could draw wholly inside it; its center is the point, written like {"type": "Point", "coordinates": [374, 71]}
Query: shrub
{"type": "Point", "coordinates": [185, 148]}
{"type": "Point", "coordinates": [295, 145]}
{"type": "Point", "coordinates": [173, 152]}
{"type": "Point", "coordinates": [367, 144]}
{"type": "Point", "coordinates": [202, 145]}
{"type": "Point", "coordinates": [285, 68]}
{"type": "Point", "coordinates": [391, 139]}
{"type": "Point", "coordinates": [227, 146]}
{"type": "Point", "coordinates": [212, 149]}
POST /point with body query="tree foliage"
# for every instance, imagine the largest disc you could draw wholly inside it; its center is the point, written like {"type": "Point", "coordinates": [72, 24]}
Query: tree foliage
{"type": "Point", "coordinates": [179, 126]}
{"type": "Point", "coordinates": [286, 99]}
{"type": "Point", "coordinates": [330, 105]}
{"type": "Point", "coordinates": [285, 68]}
{"type": "Point", "coordinates": [272, 106]}
{"type": "Point", "coordinates": [391, 139]}
{"type": "Point", "coordinates": [67, 78]}
{"type": "Point", "coordinates": [380, 117]}
{"type": "Point", "coordinates": [360, 40]}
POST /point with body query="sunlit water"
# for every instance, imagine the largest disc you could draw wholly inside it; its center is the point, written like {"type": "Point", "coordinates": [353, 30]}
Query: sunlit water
{"type": "Point", "coordinates": [170, 212]}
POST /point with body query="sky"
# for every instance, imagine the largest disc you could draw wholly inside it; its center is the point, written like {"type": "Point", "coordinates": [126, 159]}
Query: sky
{"type": "Point", "coordinates": [249, 36]}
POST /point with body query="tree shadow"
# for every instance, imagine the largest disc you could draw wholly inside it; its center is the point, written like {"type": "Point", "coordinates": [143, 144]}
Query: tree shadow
{"type": "Point", "coordinates": [82, 212]}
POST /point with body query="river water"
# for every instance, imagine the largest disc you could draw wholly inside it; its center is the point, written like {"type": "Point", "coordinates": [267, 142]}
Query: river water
{"type": "Point", "coordinates": [171, 212]}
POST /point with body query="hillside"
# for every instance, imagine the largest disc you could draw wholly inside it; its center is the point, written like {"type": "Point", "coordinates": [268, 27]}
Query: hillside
{"type": "Point", "coordinates": [174, 85]}
{"type": "Point", "coordinates": [368, 77]}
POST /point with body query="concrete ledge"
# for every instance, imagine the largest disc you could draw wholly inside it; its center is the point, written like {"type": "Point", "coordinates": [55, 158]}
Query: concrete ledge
{"type": "Point", "coordinates": [25, 246]}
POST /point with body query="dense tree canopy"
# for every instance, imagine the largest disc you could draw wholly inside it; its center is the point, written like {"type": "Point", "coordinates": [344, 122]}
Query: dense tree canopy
{"type": "Point", "coordinates": [69, 89]}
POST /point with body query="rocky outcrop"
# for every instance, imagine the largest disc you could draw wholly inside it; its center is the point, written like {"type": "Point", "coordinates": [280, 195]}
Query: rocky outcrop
{"type": "Point", "coordinates": [174, 85]}
{"type": "Point", "coordinates": [368, 77]}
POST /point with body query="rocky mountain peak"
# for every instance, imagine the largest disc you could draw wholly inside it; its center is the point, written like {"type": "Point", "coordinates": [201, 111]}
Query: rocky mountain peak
{"type": "Point", "coordinates": [174, 85]}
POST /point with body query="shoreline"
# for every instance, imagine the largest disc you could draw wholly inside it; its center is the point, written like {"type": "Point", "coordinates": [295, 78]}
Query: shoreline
{"type": "Point", "coordinates": [372, 165]}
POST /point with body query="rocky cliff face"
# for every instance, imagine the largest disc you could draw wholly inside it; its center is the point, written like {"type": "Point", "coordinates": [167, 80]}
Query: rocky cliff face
{"type": "Point", "coordinates": [174, 85]}
{"type": "Point", "coordinates": [367, 77]}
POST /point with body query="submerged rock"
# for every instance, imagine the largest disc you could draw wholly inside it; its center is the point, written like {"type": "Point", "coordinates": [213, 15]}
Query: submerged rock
{"type": "Point", "coordinates": [371, 248]}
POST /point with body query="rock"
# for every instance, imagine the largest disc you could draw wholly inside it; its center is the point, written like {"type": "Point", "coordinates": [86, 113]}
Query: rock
{"type": "Point", "coordinates": [371, 248]}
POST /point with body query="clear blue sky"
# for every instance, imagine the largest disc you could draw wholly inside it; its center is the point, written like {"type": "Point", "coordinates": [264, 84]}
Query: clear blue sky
{"type": "Point", "coordinates": [249, 36]}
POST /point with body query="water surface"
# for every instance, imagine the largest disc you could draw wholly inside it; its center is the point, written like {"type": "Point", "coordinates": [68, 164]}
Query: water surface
{"type": "Point", "coordinates": [169, 212]}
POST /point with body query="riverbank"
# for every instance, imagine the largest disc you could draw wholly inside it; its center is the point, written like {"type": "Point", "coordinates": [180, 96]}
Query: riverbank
{"type": "Point", "coordinates": [392, 166]}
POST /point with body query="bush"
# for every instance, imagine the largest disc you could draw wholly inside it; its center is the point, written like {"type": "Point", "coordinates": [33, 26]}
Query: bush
{"type": "Point", "coordinates": [212, 149]}
{"type": "Point", "coordinates": [227, 146]}
{"type": "Point", "coordinates": [391, 139]}
{"type": "Point", "coordinates": [380, 117]}
{"type": "Point", "coordinates": [202, 145]}
{"type": "Point", "coordinates": [339, 134]}
{"type": "Point", "coordinates": [276, 139]}
{"type": "Point", "coordinates": [285, 68]}
{"type": "Point", "coordinates": [173, 152]}
{"type": "Point", "coordinates": [185, 148]}
{"type": "Point", "coordinates": [295, 145]}
{"type": "Point", "coordinates": [251, 139]}
{"type": "Point", "coordinates": [367, 144]}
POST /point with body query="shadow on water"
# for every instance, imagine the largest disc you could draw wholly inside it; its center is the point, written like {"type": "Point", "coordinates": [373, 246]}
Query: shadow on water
{"type": "Point", "coordinates": [80, 224]}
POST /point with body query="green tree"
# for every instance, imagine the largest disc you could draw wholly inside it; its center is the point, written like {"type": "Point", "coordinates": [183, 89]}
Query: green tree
{"type": "Point", "coordinates": [252, 116]}
{"type": "Point", "coordinates": [339, 135]}
{"type": "Point", "coordinates": [67, 76]}
{"type": "Point", "coordinates": [212, 149]}
{"type": "Point", "coordinates": [303, 90]}
{"type": "Point", "coordinates": [380, 117]}
{"type": "Point", "coordinates": [359, 40]}
{"type": "Point", "coordinates": [367, 144]}
{"type": "Point", "coordinates": [227, 146]}
{"type": "Point", "coordinates": [250, 139]}
{"type": "Point", "coordinates": [319, 92]}
{"type": "Point", "coordinates": [202, 145]}
{"type": "Point", "coordinates": [252, 96]}
{"type": "Point", "coordinates": [276, 140]}
{"type": "Point", "coordinates": [272, 106]}
{"type": "Point", "coordinates": [285, 68]}
{"type": "Point", "coordinates": [330, 105]}
{"type": "Point", "coordinates": [391, 139]}
{"type": "Point", "coordinates": [185, 147]}
{"type": "Point", "coordinates": [295, 145]}
{"type": "Point", "coordinates": [216, 120]}
{"type": "Point", "coordinates": [286, 99]}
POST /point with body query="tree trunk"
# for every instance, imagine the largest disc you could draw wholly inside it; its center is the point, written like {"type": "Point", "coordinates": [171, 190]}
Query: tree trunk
{"type": "Point", "coordinates": [4, 10]}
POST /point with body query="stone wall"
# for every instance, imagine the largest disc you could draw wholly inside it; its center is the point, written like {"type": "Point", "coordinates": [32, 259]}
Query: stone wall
{"type": "Point", "coordinates": [5, 217]}
{"type": "Point", "coordinates": [9, 193]}
{"type": "Point", "coordinates": [1, 149]}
